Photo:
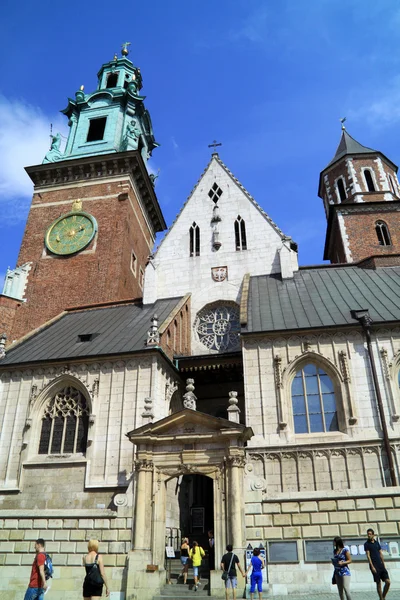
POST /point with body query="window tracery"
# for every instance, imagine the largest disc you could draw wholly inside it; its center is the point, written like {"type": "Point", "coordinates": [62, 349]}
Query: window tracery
{"type": "Point", "coordinates": [382, 232]}
{"type": "Point", "coordinates": [65, 423]}
{"type": "Point", "coordinates": [240, 234]}
{"type": "Point", "coordinates": [194, 234]}
{"type": "Point", "coordinates": [218, 327]}
{"type": "Point", "coordinates": [313, 401]}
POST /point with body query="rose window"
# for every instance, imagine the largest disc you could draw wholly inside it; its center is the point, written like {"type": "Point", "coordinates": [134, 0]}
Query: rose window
{"type": "Point", "coordinates": [218, 327]}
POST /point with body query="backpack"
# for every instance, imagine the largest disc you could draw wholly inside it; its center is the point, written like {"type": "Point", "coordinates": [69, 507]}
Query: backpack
{"type": "Point", "coordinates": [48, 566]}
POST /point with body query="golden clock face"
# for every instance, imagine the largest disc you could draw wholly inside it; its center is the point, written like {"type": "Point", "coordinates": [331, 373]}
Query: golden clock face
{"type": "Point", "coordinates": [70, 233]}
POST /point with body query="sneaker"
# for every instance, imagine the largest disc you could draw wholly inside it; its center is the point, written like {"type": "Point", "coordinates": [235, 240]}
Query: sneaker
{"type": "Point", "coordinates": [195, 588]}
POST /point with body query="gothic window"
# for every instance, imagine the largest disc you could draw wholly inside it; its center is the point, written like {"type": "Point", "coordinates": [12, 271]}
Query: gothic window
{"type": "Point", "coordinates": [141, 278]}
{"type": "Point", "coordinates": [240, 234]}
{"type": "Point", "coordinates": [133, 263]}
{"type": "Point", "coordinates": [194, 233]}
{"type": "Point", "coordinates": [218, 327]}
{"type": "Point", "coordinates": [215, 193]}
{"type": "Point", "coordinates": [65, 423]}
{"type": "Point", "coordinates": [341, 189]}
{"type": "Point", "coordinates": [382, 232]}
{"type": "Point", "coordinates": [369, 180]}
{"type": "Point", "coordinates": [96, 129]}
{"type": "Point", "coordinates": [313, 401]}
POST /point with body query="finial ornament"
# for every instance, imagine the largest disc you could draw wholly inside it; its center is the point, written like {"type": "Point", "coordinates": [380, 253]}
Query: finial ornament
{"type": "Point", "coordinates": [125, 50]}
{"type": "Point", "coordinates": [3, 340]}
{"type": "Point", "coordinates": [153, 335]}
{"type": "Point", "coordinates": [189, 399]}
{"type": "Point", "coordinates": [115, 56]}
{"type": "Point", "coordinates": [214, 145]}
{"type": "Point", "coordinates": [76, 206]}
{"type": "Point", "coordinates": [82, 88]}
{"type": "Point", "coordinates": [342, 120]}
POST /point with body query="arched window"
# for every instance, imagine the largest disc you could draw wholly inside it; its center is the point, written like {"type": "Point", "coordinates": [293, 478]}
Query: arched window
{"type": "Point", "coordinates": [369, 180]}
{"type": "Point", "coordinates": [313, 401]}
{"type": "Point", "coordinates": [382, 232]}
{"type": "Point", "coordinates": [240, 234]}
{"type": "Point", "coordinates": [194, 233]}
{"type": "Point", "coordinates": [65, 423]}
{"type": "Point", "coordinates": [341, 189]}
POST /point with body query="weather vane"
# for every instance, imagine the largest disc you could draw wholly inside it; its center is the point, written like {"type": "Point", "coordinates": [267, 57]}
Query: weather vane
{"type": "Point", "coordinates": [214, 145]}
{"type": "Point", "coordinates": [342, 120]}
{"type": "Point", "coordinates": [125, 50]}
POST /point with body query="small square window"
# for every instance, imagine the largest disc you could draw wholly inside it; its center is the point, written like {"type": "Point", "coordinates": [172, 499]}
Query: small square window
{"type": "Point", "coordinates": [85, 337]}
{"type": "Point", "coordinates": [112, 80]}
{"type": "Point", "coordinates": [215, 193]}
{"type": "Point", "coordinates": [96, 129]}
{"type": "Point", "coordinates": [133, 263]}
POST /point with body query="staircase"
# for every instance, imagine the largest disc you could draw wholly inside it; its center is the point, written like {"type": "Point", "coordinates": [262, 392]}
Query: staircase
{"type": "Point", "coordinates": [177, 589]}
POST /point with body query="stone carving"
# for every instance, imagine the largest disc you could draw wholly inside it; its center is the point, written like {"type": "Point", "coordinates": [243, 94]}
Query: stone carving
{"type": "Point", "coordinates": [236, 461]}
{"type": "Point", "coordinates": [153, 335]}
{"type": "Point", "coordinates": [170, 389]}
{"type": "Point", "coordinates": [344, 366]}
{"type": "Point", "coordinates": [143, 465]}
{"type": "Point", "coordinates": [94, 392]}
{"type": "Point", "coordinates": [259, 484]}
{"type": "Point", "coordinates": [54, 154]}
{"type": "Point", "coordinates": [148, 409]}
{"type": "Point", "coordinates": [233, 410]}
{"type": "Point", "coordinates": [218, 327]}
{"type": "Point", "coordinates": [219, 273]}
{"type": "Point", "coordinates": [120, 500]}
{"type": "Point", "coordinates": [189, 399]}
{"type": "Point", "coordinates": [3, 340]}
{"type": "Point", "coordinates": [279, 387]}
{"type": "Point", "coordinates": [132, 136]}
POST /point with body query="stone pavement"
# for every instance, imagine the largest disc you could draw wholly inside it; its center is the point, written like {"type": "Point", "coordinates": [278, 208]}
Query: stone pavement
{"type": "Point", "coordinates": [333, 596]}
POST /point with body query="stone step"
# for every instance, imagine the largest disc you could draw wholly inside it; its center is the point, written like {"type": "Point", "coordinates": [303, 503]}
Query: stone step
{"type": "Point", "coordinates": [182, 591]}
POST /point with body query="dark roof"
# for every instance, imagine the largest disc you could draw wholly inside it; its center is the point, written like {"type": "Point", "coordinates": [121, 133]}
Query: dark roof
{"type": "Point", "coordinates": [115, 330]}
{"type": "Point", "coordinates": [323, 297]}
{"type": "Point", "coordinates": [348, 145]}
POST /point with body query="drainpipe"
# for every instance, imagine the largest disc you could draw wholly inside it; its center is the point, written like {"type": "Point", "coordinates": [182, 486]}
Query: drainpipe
{"type": "Point", "coordinates": [363, 317]}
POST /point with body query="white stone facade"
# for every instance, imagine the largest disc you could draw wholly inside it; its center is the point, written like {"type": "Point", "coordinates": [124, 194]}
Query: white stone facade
{"type": "Point", "coordinates": [173, 272]}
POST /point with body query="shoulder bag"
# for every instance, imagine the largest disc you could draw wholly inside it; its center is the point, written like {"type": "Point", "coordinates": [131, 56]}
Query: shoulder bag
{"type": "Point", "coordinates": [94, 576]}
{"type": "Point", "coordinates": [225, 574]}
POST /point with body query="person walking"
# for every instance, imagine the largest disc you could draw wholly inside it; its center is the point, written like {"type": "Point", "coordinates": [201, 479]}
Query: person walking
{"type": "Point", "coordinates": [377, 565]}
{"type": "Point", "coordinates": [341, 559]}
{"type": "Point", "coordinates": [229, 561]}
{"type": "Point", "coordinates": [185, 559]}
{"type": "Point", "coordinates": [95, 573]}
{"type": "Point", "coordinates": [196, 555]}
{"type": "Point", "coordinates": [257, 565]}
{"type": "Point", "coordinates": [37, 582]}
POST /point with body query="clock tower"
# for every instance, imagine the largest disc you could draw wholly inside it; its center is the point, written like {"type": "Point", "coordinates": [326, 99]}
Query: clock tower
{"type": "Point", "coordinates": [94, 213]}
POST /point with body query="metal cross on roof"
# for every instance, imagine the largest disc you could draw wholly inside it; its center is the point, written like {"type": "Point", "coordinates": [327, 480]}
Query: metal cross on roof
{"type": "Point", "coordinates": [214, 144]}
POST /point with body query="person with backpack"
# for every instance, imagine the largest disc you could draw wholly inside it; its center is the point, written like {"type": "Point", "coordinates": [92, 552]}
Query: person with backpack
{"type": "Point", "coordinates": [228, 565]}
{"type": "Point", "coordinates": [37, 583]}
{"type": "Point", "coordinates": [196, 555]}
{"type": "Point", "coordinates": [95, 573]}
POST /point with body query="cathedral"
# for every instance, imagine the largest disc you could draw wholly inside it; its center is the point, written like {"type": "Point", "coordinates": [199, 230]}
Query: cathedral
{"type": "Point", "coordinates": [210, 384]}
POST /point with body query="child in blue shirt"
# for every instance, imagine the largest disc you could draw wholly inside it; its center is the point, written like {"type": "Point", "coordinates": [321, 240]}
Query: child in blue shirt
{"type": "Point", "coordinates": [257, 564]}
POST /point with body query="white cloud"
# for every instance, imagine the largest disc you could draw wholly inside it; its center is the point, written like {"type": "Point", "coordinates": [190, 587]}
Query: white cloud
{"type": "Point", "coordinates": [24, 140]}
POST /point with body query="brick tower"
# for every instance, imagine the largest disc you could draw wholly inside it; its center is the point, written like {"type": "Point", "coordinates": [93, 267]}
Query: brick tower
{"type": "Point", "coordinates": [94, 214]}
{"type": "Point", "coordinates": [361, 194]}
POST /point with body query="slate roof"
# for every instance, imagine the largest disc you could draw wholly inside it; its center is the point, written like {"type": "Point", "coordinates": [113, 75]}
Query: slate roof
{"type": "Point", "coordinates": [348, 145]}
{"type": "Point", "coordinates": [118, 329]}
{"type": "Point", "coordinates": [322, 297]}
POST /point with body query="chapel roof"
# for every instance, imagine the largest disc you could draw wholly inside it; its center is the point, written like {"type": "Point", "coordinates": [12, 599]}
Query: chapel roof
{"type": "Point", "coordinates": [114, 330]}
{"type": "Point", "coordinates": [349, 146]}
{"type": "Point", "coordinates": [322, 297]}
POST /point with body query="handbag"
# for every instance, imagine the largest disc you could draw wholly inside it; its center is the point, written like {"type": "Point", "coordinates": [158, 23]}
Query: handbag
{"type": "Point", "coordinates": [225, 574]}
{"type": "Point", "coordinates": [94, 576]}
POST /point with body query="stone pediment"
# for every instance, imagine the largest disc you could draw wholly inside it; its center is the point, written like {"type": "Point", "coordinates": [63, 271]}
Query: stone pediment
{"type": "Point", "coordinates": [189, 422]}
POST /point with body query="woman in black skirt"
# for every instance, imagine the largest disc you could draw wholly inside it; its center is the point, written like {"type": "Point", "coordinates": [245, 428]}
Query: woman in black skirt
{"type": "Point", "coordinates": [94, 562]}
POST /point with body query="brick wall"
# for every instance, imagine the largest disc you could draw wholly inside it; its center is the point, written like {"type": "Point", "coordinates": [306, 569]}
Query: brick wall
{"type": "Point", "coordinates": [362, 238]}
{"type": "Point", "coordinates": [8, 307]}
{"type": "Point", "coordinates": [100, 273]}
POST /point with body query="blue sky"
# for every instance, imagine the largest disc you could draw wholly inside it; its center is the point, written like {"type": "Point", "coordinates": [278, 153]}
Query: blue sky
{"type": "Point", "coordinates": [269, 79]}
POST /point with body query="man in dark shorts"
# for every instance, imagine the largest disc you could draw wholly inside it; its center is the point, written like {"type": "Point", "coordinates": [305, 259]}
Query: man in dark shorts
{"type": "Point", "coordinates": [230, 559]}
{"type": "Point", "coordinates": [374, 554]}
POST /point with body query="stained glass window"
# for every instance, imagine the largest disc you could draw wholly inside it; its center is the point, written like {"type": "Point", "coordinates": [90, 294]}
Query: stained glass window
{"type": "Point", "coordinates": [65, 423]}
{"type": "Point", "coordinates": [313, 401]}
{"type": "Point", "coordinates": [218, 327]}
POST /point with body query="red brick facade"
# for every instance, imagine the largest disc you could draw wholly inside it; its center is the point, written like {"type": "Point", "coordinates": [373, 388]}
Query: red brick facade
{"type": "Point", "coordinates": [352, 234]}
{"type": "Point", "coordinates": [102, 272]}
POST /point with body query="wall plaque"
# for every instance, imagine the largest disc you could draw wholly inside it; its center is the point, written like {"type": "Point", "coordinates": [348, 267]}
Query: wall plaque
{"type": "Point", "coordinates": [318, 550]}
{"type": "Point", "coordinates": [282, 552]}
{"type": "Point", "coordinates": [390, 547]}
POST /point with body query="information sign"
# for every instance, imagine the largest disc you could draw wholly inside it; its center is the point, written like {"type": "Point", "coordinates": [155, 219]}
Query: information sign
{"type": "Point", "coordinates": [170, 551]}
{"type": "Point", "coordinates": [318, 550]}
{"type": "Point", "coordinates": [390, 547]}
{"type": "Point", "coordinates": [356, 547]}
{"type": "Point", "coordinates": [282, 552]}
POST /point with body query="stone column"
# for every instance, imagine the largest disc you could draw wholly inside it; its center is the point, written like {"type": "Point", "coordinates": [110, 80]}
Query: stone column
{"type": "Point", "coordinates": [143, 500]}
{"type": "Point", "coordinates": [235, 504]}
